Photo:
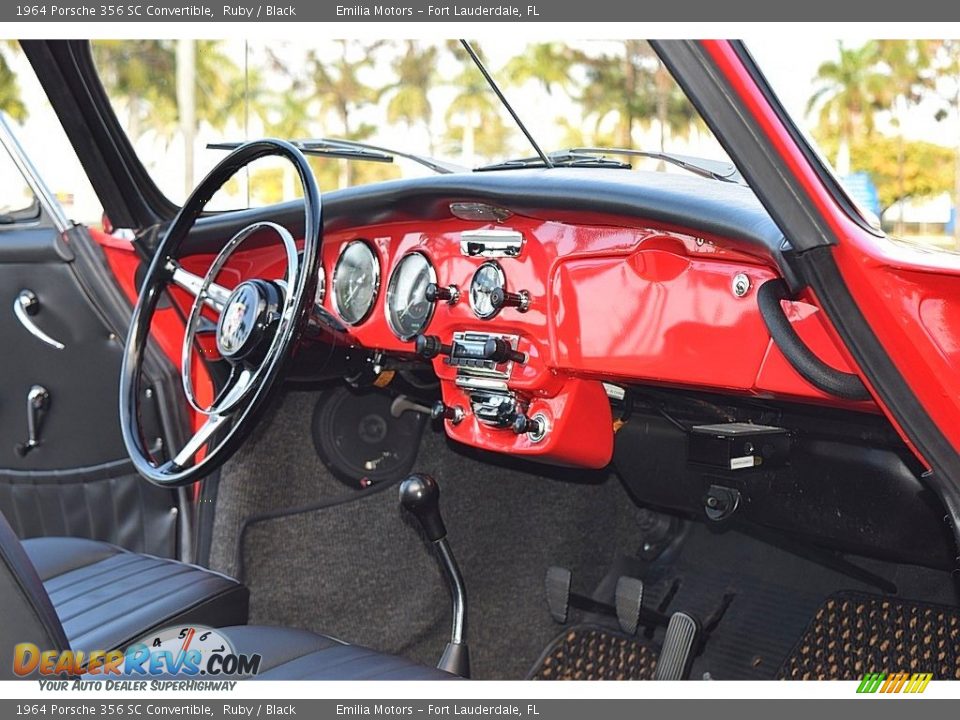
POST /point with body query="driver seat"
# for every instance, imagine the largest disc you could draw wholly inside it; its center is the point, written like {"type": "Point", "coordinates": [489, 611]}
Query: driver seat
{"type": "Point", "coordinates": [74, 594]}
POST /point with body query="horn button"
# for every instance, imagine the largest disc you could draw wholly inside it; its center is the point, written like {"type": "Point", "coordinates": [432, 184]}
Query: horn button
{"type": "Point", "coordinates": [247, 319]}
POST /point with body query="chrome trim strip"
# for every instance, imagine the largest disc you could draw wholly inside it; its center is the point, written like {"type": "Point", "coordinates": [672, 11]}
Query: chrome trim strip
{"type": "Point", "coordinates": [497, 243]}
{"type": "Point", "coordinates": [25, 305]}
{"type": "Point", "coordinates": [477, 383]}
{"type": "Point", "coordinates": [47, 199]}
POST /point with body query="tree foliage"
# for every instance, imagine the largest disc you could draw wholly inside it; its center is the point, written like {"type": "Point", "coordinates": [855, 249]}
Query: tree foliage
{"type": "Point", "coordinates": [10, 101]}
{"type": "Point", "coordinates": [914, 170]}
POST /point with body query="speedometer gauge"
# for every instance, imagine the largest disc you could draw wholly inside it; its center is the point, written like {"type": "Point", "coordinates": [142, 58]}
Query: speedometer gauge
{"type": "Point", "coordinates": [488, 278]}
{"type": "Point", "coordinates": [356, 282]}
{"type": "Point", "coordinates": [408, 310]}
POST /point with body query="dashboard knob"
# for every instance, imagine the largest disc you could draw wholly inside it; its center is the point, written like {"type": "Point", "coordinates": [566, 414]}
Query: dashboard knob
{"type": "Point", "coordinates": [429, 346]}
{"type": "Point", "coordinates": [535, 427]}
{"type": "Point", "coordinates": [453, 413]}
{"type": "Point", "coordinates": [500, 351]}
{"type": "Point", "coordinates": [434, 293]}
{"type": "Point", "coordinates": [501, 298]}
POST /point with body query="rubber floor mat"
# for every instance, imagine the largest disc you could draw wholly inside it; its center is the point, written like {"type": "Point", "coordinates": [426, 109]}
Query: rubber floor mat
{"type": "Point", "coordinates": [589, 652]}
{"type": "Point", "coordinates": [856, 633]}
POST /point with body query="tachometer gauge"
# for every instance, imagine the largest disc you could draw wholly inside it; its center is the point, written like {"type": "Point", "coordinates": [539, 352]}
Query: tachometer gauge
{"type": "Point", "coordinates": [488, 278]}
{"type": "Point", "coordinates": [356, 282]}
{"type": "Point", "coordinates": [408, 310]}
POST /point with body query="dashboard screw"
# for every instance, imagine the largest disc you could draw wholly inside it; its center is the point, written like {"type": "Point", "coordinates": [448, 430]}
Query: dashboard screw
{"type": "Point", "coordinates": [741, 284]}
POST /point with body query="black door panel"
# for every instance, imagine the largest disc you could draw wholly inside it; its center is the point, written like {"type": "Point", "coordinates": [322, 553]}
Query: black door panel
{"type": "Point", "coordinates": [80, 425]}
{"type": "Point", "coordinates": [77, 481]}
{"type": "Point", "coordinates": [109, 502]}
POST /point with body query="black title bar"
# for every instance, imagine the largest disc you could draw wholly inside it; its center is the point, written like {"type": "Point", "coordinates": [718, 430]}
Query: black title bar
{"type": "Point", "coordinates": [739, 11]}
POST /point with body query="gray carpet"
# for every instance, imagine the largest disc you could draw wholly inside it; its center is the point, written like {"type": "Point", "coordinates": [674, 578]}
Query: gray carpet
{"type": "Point", "coordinates": [359, 569]}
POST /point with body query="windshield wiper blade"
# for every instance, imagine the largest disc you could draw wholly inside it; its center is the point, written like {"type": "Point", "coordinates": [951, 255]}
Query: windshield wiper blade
{"type": "Point", "coordinates": [329, 150]}
{"type": "Point", "coordinates": [441, 167]}
{"type": "Point", "coordinates": [714, 169]}
{"type": "Point", "coordinates": [562, 158]}
{"type": "Point", "coordinates": [354, 150]}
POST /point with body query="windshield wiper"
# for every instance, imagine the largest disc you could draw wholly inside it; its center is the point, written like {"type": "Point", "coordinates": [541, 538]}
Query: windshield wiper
{"type": "Point", "coordinates": [441, 167]}
{"type": "Point", "coordinates": [714, 169]}
{"type": "Point", "coordinates": [340, 152]}
{"type": "Point", "coordinates": [353, 150]}
{"type": "Point", "coordinates": [596, 158]}
{"type": "Point", "coordinates": [561, 158]}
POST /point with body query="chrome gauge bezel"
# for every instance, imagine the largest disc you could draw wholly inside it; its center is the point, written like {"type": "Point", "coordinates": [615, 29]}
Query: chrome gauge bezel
{"type": "Point", "coordinates": [320, 293]}
{"type": "Point", "coordinates": [473, 281]}
{"type": "Point", "coordinates": [391, 289]}
{"type": "Point", "coordinates": [376, 282]}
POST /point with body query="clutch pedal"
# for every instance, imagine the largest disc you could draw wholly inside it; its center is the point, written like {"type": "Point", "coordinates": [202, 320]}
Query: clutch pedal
{"type": "Point", "coordinates": [678, 648]}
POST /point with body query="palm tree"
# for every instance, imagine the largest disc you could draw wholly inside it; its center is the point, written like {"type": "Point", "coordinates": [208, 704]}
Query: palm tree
{"type": "Point", "coordinates": [551, 64]}
{"type": "Point", "coordinates": [166, 87]}
{"type": "Point", "coordinates": [847, 92]}
{"type": "Point", "coordinates": [338, 88]}
{"type": "Point", "coordinates": [409, 95]}
{"type": "Point", "coordinates": [475, 106]}
{"type": "Point", "coordinates": [612, 88]}
{"type": "Point", "coordinates": [10, 102]}
{"type": "Point", "coordinates": [908, 68]}
{"type": "Point", "coordinates": [638, 89]}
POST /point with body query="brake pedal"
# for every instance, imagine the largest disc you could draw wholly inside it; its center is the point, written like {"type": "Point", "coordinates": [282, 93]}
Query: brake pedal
{"type": "Point", "coordinates": [558, 582]}
{"type": "Point", "coordinates": [629, 601]}
{"type": "Point", "coordinates": [678, 648]}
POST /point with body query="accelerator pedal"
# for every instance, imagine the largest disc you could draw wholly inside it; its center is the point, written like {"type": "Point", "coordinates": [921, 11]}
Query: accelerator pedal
{"type": "Point", "coordinates": [558, 592]}
{"type": "Point", "coordinates": [629, 602]}
{"type": "Point", "coordinates": [678, 648]}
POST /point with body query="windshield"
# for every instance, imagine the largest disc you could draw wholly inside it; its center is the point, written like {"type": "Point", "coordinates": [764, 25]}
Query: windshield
{"type": "Point", "coordinates": [176, 97]}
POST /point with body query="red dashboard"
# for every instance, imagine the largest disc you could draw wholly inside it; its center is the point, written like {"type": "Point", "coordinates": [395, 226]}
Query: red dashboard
{"type": "Point", "coordinates": [618, 301]}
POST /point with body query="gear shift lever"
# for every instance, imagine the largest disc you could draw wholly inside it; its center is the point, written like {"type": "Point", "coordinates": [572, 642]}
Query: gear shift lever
{"type": "Point", "coordinates": [420, 495]}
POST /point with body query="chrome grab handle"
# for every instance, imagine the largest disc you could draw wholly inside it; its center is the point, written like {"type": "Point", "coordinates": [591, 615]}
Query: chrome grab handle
{"type": "Point", "coordinates": [28, 304]}
{"type": "Point", "coordinates": [38, 399]}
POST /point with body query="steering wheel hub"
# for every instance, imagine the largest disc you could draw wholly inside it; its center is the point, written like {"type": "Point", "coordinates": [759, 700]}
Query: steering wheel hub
{"type": "Point", "coordinates": [245, 318]}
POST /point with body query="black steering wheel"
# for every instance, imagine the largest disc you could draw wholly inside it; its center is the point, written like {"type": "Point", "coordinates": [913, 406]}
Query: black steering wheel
{"type": "Point", "coordinates": [260, 322]}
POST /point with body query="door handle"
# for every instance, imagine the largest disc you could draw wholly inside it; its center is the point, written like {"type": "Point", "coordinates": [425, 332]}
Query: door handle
{"type": "Point", "coordinates": [38, 400]}
{"type": "Point", "coordinates": [26, 305]}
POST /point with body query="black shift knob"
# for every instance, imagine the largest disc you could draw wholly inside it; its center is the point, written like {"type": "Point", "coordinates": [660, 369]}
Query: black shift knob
{"type": "Point", "coordinates": [420, 495]}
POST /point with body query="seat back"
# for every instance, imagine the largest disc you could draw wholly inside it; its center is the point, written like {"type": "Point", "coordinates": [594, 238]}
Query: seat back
{"type": "Point", "coordinates": [26, 613]}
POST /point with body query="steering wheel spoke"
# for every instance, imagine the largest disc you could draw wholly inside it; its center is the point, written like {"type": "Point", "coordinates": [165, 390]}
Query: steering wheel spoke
{"type": "Point", "coordinates": [214, 296]}
{"type": "Point", "coordinates": [188, 452]}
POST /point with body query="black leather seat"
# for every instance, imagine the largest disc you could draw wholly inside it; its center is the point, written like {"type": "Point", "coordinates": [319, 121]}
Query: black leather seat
{"type": "Point", "coordinates": [68, 593]}
{"type": "Point", "coordinates": [106, 597]}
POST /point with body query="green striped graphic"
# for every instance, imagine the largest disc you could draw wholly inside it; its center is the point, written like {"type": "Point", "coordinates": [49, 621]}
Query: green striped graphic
{"type": "Point", "coordinates": [871, 682]}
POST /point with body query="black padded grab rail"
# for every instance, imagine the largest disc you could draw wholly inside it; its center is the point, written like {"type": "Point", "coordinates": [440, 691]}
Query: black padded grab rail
{"type": "Point", "coordinates": [830, 380]}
